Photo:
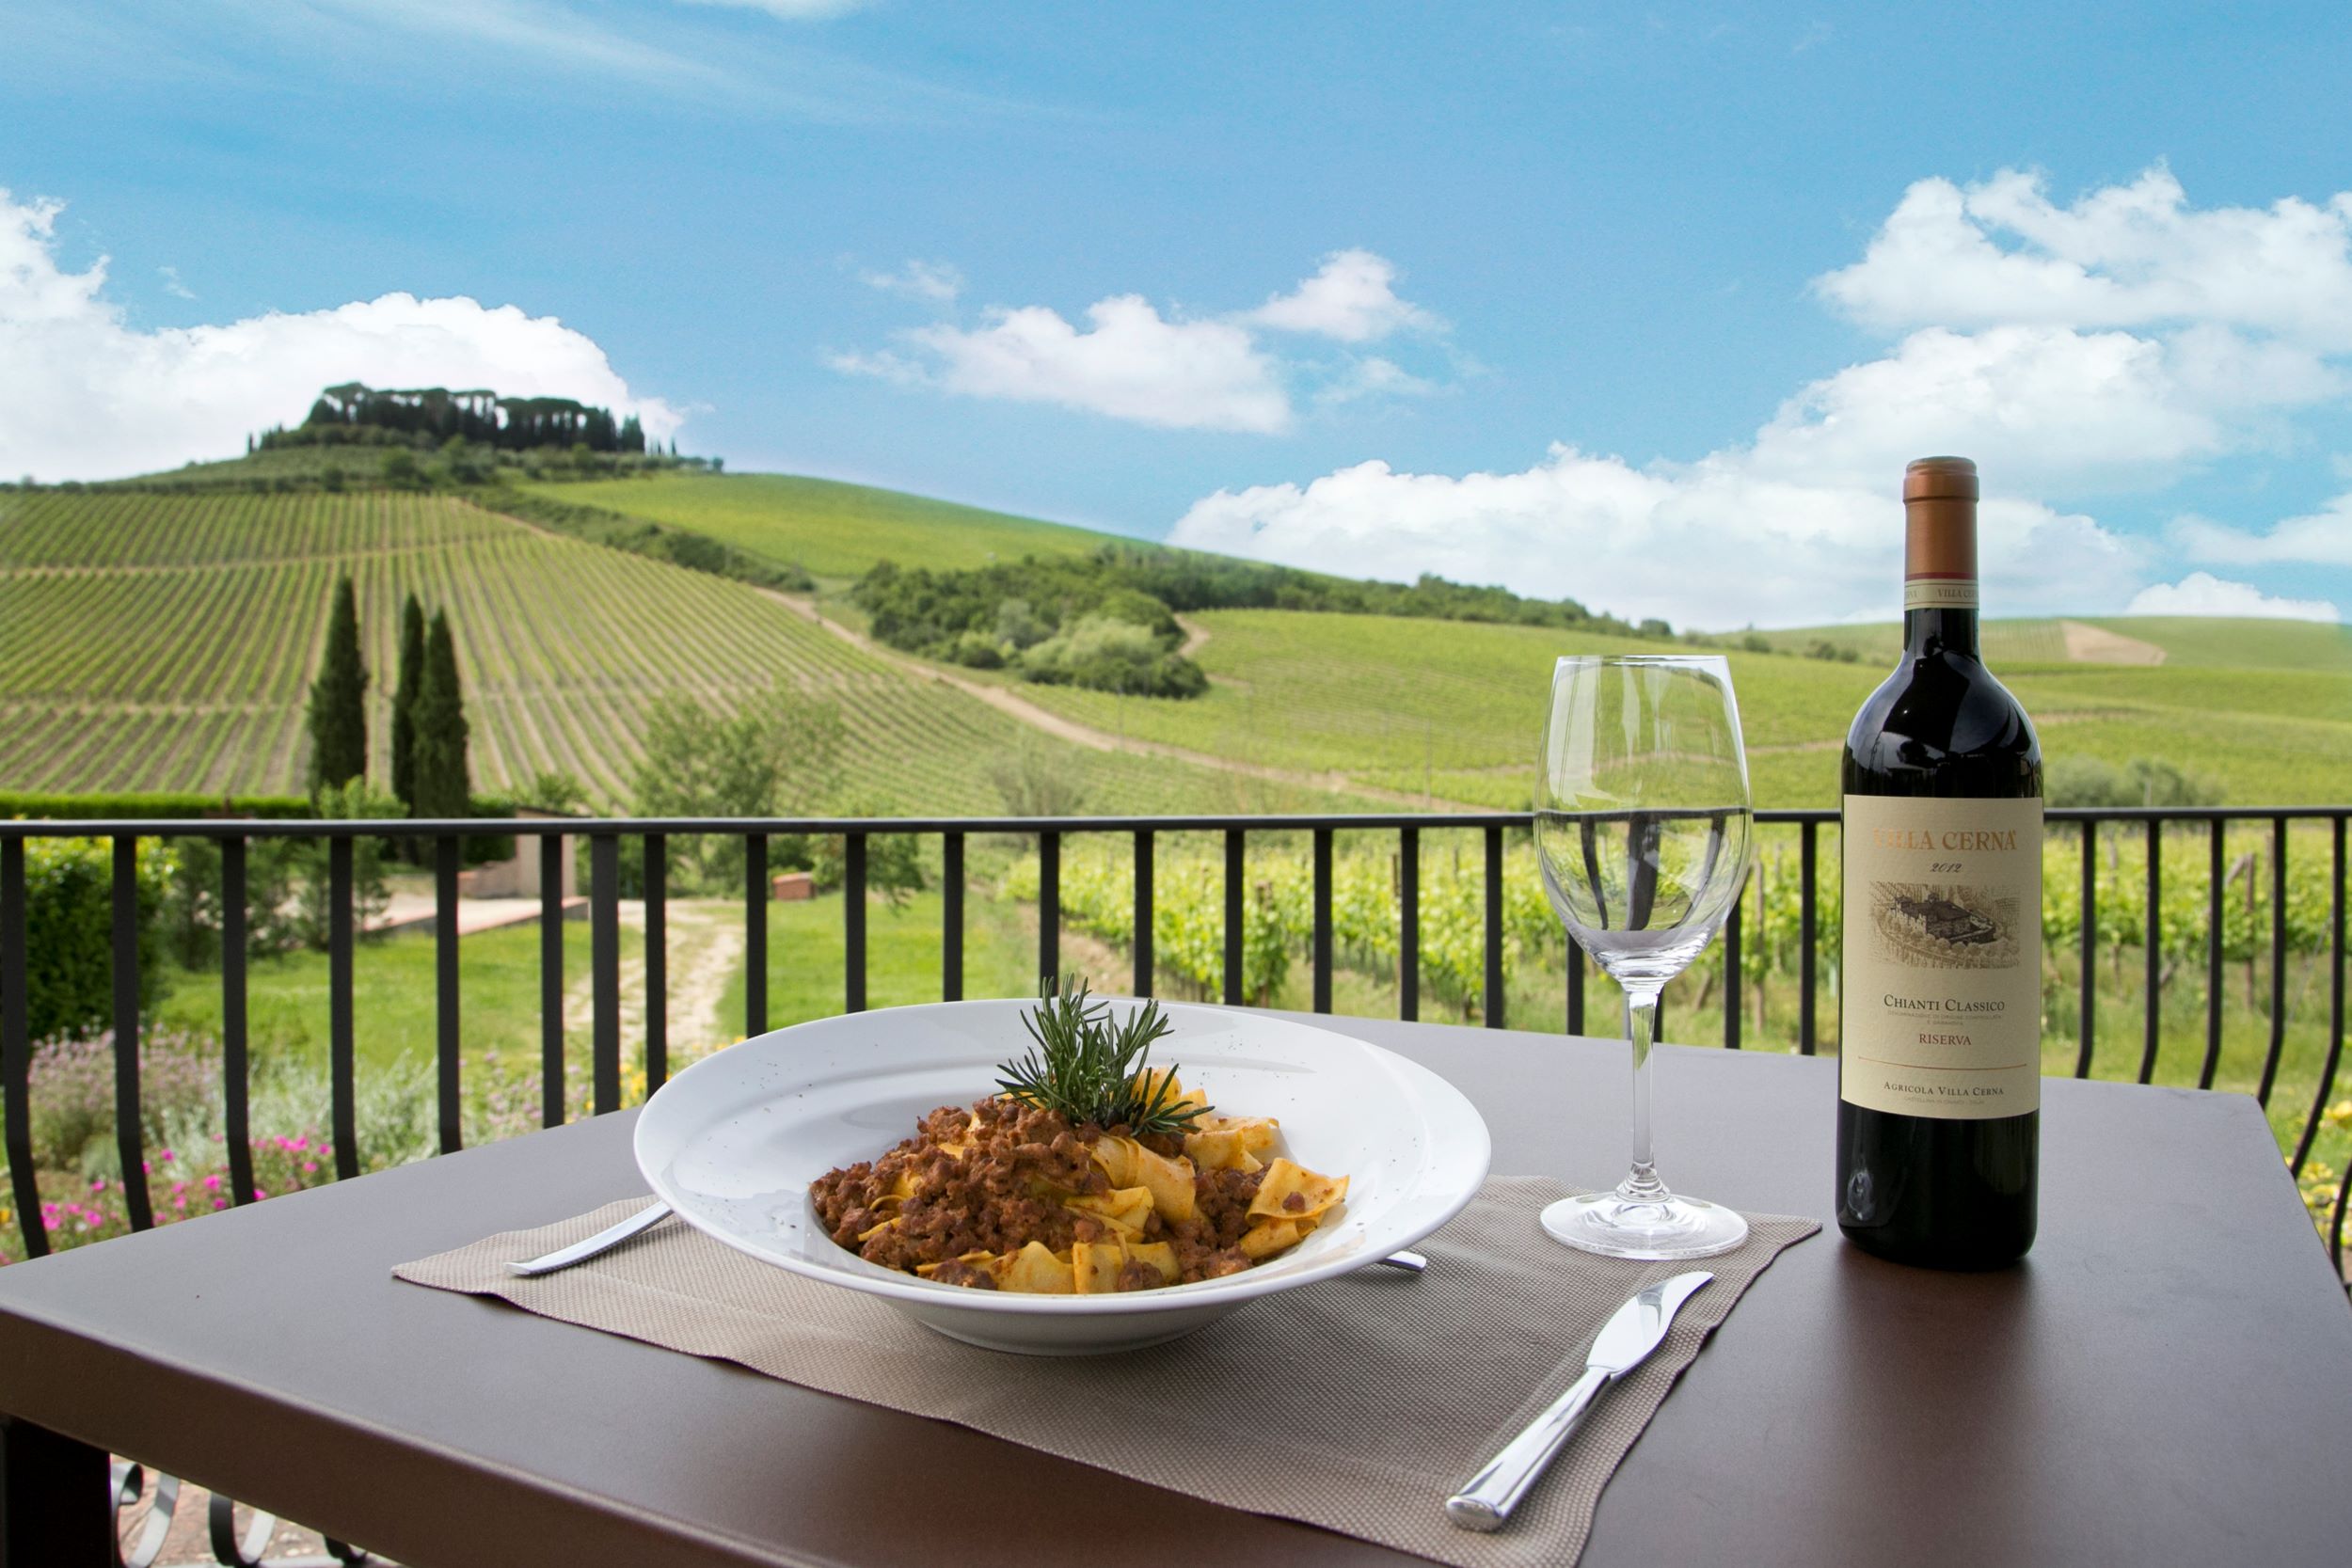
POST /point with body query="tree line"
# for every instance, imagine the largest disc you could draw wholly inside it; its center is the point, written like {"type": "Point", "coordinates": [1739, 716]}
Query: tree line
{"type": "Point", "coordinates": [478, 415]}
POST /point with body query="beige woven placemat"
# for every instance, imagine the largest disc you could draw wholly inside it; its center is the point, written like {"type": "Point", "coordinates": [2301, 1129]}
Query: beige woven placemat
{"type": "Point", "coordinates": [1371, 1397]}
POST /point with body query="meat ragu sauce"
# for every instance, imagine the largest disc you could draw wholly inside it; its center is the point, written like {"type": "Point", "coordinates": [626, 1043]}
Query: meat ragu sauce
{"type": "Point", "coordinates": [972, 1188]}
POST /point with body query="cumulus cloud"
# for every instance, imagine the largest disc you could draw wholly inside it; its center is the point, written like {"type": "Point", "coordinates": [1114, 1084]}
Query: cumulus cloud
{"type": "Point", "coordinates": [2202, 593]}
{"type": "Point", "coordinates": [2324, 538]}
{"type": "Point", "coordinates": [1128, 362]}
{"type": "Point", "coordinates": [2130, 255]}
{"type": "Point", "coordinates": [88, 395]}
{"type": "Point", "coordinates": [2114, 344]}
{"type": "Point", "coordinates": [1179, 372]}
{"type": "Point", "coordinates": [1712, 544]}
{"type": "Point", "coordinates": [933, 280]}
{"type": "Point", "coordinates": [1351, 298]}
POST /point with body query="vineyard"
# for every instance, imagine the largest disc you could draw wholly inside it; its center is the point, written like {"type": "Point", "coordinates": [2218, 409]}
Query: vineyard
{"type": "Point", "coordinates": [168, 641]}
{"type": "Point", "coordinates": [1097, 887]}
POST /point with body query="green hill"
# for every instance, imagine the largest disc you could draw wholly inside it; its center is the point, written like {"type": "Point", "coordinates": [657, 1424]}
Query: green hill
{"type": "Point", "coordinates": [831, 529]}
{"type": "Point", "coordinates": [165, 642]}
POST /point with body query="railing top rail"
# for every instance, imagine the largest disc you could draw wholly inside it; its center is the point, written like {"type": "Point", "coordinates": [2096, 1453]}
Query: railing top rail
{"type": "Point", "coordinates": [543, 827]}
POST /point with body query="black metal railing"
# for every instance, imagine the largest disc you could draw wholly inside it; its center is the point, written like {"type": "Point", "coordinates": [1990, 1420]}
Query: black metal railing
{"type": "Point", "coordinates": [604, 839]}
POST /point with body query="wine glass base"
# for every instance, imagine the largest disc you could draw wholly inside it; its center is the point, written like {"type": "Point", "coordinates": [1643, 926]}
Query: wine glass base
{"type": "Point", "coordinates": [1607, 1223]}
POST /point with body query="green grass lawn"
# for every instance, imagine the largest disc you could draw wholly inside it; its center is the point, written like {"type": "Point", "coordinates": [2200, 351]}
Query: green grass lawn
{"type": "Point", "coordinates": [393, 994]}
{"type": "Point", "coordinates": [831, 529]}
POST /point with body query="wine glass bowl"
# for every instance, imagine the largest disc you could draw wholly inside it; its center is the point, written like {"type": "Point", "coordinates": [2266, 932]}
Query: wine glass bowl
{"type": "Point", "coordinates": [1644, 830]}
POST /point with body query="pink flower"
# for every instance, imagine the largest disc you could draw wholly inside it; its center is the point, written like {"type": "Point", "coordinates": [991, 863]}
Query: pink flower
{"type": "Point", "coordinates": [147, 1168]}
{"type": "Point", "coordinates": [261, 1192]}
{"type": "Point", "coordinates": [98, 1184]}
{"type": "Point", "coordinates": [298, 1145]}
{"type": "Point", "coordinates": [166, 1156]}
{"type": "Point", "coordinates": [212, 1183]}
{"type": "Point", "coordinates": [310, 1166]}
{"type": "Point", "coordinates": [220, 1203]}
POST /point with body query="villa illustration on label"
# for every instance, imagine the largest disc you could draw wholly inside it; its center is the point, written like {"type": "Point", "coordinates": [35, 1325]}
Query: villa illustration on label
{"type": "Point", "coordinates": [1937, 925]}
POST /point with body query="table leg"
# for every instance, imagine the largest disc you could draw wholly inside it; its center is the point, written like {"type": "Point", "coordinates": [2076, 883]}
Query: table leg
{"type": "Point", "coordinates": [55, 1510]}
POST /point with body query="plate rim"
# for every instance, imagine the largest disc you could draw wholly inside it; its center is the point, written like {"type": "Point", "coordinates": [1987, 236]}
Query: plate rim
{"type": "Point", "coordinates": [1206, 1294]}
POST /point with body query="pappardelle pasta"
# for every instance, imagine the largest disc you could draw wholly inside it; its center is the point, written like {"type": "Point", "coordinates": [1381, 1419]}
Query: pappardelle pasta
{"type": "Point", "coordinates": [1144, 1186]}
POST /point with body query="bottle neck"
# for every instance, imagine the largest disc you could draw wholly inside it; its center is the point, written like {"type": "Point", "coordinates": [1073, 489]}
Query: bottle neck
{"type": "Point", "coordinates": [1928, 633]}
{"type": "Point", "coordinates": [1940, 576]}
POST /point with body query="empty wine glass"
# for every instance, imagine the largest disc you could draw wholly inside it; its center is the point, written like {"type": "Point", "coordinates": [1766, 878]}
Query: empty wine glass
{"type": "Point", "coordinates": [1643, 827]}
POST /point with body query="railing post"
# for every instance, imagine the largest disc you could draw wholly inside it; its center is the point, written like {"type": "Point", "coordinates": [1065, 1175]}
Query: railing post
{"type": "Point", "coordinates": [551, 1107]}
{"type": "Point", "coordinates": [1236, 875]}
{"type": "Point", "coordinates": [445, 857]}
{"type": "Point", "coordinates": [1408, 923]}
{"type": "Point", "coordinates": [604, 970]}
{"type": "Point", "coordinates": [1321, 938]}
{"type": "Point", "coordinates": [57, 1509]}
{"type": "Point", "coordinates": [129, 1142]}
{"type": "Point", "coordinates": [235, 1069]}
{"type": "Point", "coordinates": [853, 921]}
{"type": "Point", "coordinates": [1731, 970]}
{"type": "Point", "coordinates": [2085, 1028]}
{"type": "Point", "coordinates": [1048, 906]}
{"type": "Point", "coordinates": [1576, 987]}
{"type": "Point", "coordinates": [16, 1051]}
{"type": "Point", "coordinates": [2335, 1003]}
{"type": "Point", "coordinates": [1145, 853]}
{"type": "Point", "coordinates": [1807, 920]}
{"type": "Point", "coordinates": [756, 894]}
{"type": "Point", "coordinates": [341, 1050]}
{"type": "Point", "coordinates": [2213, 878]}
{"type": "Point", "coordinates": [2152, 937]}
{"type": "Point", "coordinates": [951, 918]}
{"type": "Point", "coordinates": [2278, 959]}
{"type": "Point", "coordinates": [656, 879]}
{"type": "Point", "coordinates": [1494, 998]}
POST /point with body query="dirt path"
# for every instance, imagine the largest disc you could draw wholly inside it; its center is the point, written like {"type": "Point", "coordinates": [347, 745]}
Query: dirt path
{"type": "Point", "coordinates": [1195, 637]}
{"type": "Point", "coordinates": [2089, 645]}
{"type": "Point", "coordinates": [1017, 707]}
{"type": "Point", "coordinates": [704, 946]}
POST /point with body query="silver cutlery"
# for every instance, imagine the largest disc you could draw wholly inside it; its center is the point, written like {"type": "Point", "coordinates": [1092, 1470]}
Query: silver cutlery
{"type": "Point", "coordinates": [1625, 1341]}
{"type": "Point", "coordinates": [645, 1219]}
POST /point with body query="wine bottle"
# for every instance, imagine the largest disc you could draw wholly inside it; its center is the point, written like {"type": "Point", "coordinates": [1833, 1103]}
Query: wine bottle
{"type": "Point", "coordinates": [1939, 1067]}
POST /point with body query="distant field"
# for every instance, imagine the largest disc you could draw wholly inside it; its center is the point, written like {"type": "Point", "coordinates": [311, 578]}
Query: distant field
{"type": "Point", "coordinates": [2184, 640]}
{"type": "Point", "coordinates": [831, 530]}
{"type": "Point", "coordinates": [167, 643]}
{"type": "Point", "coordinates": [1452, 708]}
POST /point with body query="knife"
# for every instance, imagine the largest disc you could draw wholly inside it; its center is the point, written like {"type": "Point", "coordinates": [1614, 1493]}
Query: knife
{"type": "Point", "coordinates": [1625, 1341]}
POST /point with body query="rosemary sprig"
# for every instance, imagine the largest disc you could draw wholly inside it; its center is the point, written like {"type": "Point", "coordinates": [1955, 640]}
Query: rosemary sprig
{"type": "Point", "coordinates": [1092, 1070]}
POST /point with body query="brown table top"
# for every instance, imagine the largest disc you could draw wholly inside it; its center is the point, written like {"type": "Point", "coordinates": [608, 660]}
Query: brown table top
{"type": "Point", "coordinates": [2166, 1379]}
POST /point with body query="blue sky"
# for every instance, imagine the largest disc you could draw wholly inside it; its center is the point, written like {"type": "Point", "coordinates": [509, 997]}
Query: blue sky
{"type": "Point", "coordinates": [1644, 304]}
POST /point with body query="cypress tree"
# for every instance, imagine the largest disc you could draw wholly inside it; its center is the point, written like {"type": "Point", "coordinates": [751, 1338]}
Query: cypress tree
{"type": "Point", "coordinates": [338, 716]}
{"type": "Point", "coordinates": [405, 704]}
{"type": "Point", "coordinates": [442, 786]}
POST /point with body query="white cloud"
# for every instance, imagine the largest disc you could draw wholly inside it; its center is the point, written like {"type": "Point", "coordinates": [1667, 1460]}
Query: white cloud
{"type": "Point", "coordinates": [2123, 256]}
{"type": "Point", "coordinates": [1375, 378]}
{"type": "Point", "coordinates": [1352, 297]}
{"type": "Point", "coordinates": [1713, 544]}
{"type": "Point", "coordinates": [933, 280]}
{"type": "Point", "coordinates": [87, 395]}
{"type": "Point", "coordinates": [2324, 538]}
{"type": "Point", "coordinates": [1131, 362]}
{"type": "Point", "coordinates": [173, 285]}
{"type": "Point", "coordinates": [2116, 344]}
{"type": "Point", "coordinates": [2202, 593]}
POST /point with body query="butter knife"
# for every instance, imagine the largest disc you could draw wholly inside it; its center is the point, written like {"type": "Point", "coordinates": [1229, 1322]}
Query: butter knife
{"type": "Point", "coordinates": [1625, 1341]}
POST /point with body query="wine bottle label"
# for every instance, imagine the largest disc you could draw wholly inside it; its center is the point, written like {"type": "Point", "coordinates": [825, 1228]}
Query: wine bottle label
{"type": "Point", "coordinates": [1942, 989]}
{"type": "Point", "coordinates": [1939, 593]}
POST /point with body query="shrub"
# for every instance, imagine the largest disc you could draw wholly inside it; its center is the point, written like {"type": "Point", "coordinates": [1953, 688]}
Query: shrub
{"type": "Point", "coordinates": [72, 1096]}
{"type": "Point", "coordinates": [1032, 782]}
{"type": "Point", "coordinates": [1113, 656]}
{"type": "Point", "coordinates": [69, 969]}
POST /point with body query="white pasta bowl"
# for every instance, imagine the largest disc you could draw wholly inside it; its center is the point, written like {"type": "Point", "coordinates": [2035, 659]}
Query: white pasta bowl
{"type": "Point", "coordinates": [733, 1143]}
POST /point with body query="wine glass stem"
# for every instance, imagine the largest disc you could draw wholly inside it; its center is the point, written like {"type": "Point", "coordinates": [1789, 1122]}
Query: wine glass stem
{"type": "Point", "coordinates": [1641, 1185]}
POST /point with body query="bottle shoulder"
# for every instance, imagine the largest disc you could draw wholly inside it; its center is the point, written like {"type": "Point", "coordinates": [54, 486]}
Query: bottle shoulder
{"type": "Point", "coordinates": [1945, 716]}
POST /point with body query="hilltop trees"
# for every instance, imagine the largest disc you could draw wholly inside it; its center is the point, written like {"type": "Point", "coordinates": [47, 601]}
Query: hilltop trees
{"type": "Point", "coordinates": [404, 702]}
{"type": "Point", "coordinates": [438, 770]}
{"type": "Point", "coordinates": [338, 713]}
